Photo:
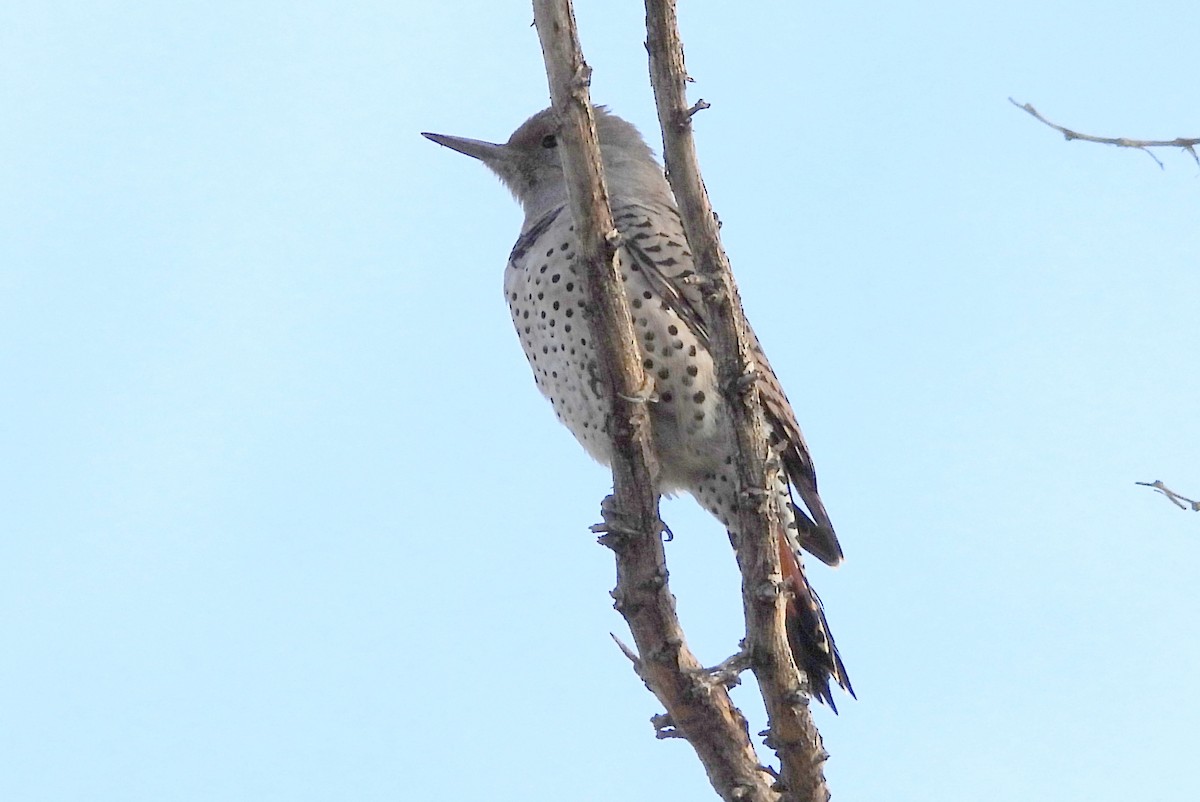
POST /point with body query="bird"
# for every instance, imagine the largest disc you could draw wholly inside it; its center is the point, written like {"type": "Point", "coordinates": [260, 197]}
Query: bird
{"type": "Point", "coordinates": [692, 437]}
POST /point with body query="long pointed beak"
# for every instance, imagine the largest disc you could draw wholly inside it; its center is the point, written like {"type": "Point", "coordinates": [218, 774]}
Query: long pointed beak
{"type": "Point", "coordinates": [476, 149]}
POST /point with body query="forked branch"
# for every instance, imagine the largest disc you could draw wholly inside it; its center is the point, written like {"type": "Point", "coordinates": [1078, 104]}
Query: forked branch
{"type": "Point", "coordinates": [698, 709]}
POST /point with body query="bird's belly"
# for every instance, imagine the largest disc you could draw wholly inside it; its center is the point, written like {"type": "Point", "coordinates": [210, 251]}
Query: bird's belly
{"type": "Point", "coordinates": [546, 300]}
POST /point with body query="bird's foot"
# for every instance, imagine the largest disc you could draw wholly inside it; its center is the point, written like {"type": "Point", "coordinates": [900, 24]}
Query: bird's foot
{"type": "Point", "coordinates": [616, 524]}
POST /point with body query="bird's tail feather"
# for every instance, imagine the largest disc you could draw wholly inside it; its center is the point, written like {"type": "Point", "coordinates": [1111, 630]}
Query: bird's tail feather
{"type": "Point", "coordinates": [808, 632]}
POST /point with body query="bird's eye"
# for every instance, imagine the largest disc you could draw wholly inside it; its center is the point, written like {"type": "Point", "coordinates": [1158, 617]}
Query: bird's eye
{"type": "Point", "coordinates": [549, 141]}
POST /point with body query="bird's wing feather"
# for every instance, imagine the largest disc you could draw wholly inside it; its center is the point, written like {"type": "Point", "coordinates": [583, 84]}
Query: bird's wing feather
{"type": "Point", "coordinates": [667, 276]}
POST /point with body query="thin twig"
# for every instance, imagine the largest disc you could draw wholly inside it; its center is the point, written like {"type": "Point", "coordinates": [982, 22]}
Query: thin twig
{"type": "Point", "coordinates": [1144, 145]}
{"type": "Point", "coordinates": [1172, 496]}
{"type": "Point", "coordinates": [793, 735]}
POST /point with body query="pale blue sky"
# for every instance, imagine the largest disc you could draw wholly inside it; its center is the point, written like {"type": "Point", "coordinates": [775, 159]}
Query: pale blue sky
{"type": "Point", "coordinates": [282, 516]}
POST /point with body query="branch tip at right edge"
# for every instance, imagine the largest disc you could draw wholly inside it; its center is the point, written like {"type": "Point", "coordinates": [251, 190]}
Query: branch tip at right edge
{"type": "Point", "coordinates": [1187, 144]}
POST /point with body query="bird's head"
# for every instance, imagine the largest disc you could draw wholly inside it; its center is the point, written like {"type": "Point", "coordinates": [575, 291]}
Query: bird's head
{"type": "Point", "coordinates": [529, 163]}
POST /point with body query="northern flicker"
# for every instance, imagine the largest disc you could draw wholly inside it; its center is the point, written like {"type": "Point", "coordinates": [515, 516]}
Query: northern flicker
{"type": "Point", "coordinates": [692, 438]}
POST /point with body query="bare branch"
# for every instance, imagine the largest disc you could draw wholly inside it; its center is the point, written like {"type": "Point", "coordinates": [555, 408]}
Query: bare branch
{"type": "Point", "coordinates": [793, 735]}
{"type": "Point", "coordinates": [1144, 145]}
{"type": "Point", "coordinates": [1172, 496]}
{"type": "Point", "coordinates": [697, 710]}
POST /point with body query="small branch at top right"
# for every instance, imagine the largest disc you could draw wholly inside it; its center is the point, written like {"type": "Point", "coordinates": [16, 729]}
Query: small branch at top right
{"type": "Point", "coordinates": [1144, 145]}
{"type": "Point", "coordinates": [1179, 501]}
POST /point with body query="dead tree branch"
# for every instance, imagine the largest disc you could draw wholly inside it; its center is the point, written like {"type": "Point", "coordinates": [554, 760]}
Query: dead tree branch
{"type": "Point", "coordinates": [1144, 145]}
{"type": "Point", "coordinates": [1179, 501]}
{"type": "Point", "coordinates": [698, 709]}
{"type": "Point", "coordinates": [793, 735]}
